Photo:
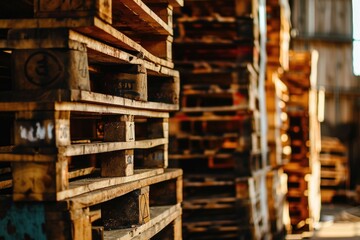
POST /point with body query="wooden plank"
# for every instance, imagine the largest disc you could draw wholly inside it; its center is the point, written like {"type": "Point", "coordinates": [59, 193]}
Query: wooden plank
{"type": "Point", "coordinates": [102, 195]}
{"type": "Point", "coordinates": [139, 17]}
{"type": "Point", "coordinates": [87, 185]}
{"type": "Point", "coordinates": [108, 50]}
{"type": "Point", "coordinates": [85, 96]}
{"type": "Point", "coordinates": [160, 218]}
{"type": "Point", "coordinates": [92, 148]}
{"type": "Point", "coordinates": [79, 107]}
{"type": "Point", "coordinates": [81, 172]}
{"type": "Point", "coordinates": [81, 149]}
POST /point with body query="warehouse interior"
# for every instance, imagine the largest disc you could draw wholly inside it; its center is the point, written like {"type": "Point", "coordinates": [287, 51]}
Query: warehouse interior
{"type": "Point", "coordinates": [179, 119]}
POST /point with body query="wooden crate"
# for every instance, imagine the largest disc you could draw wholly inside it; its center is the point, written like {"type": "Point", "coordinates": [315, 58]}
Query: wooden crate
{"type": "Point", "coordinates": [123, 210]}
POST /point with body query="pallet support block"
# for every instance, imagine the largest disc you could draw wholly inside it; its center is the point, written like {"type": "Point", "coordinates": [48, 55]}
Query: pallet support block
{"type": "Point", "coordinates": [45, 59]}
{"type": "Point", "coordinates": [129, 81]}
{"type": "Point", "coordinates": [39, 181]}
{"type": "Point", "coordinates": [130, 209]}
{"type": "Point", "coordinates": [118, 163]}
{"type": "Point", "coordinates": [41, 131]}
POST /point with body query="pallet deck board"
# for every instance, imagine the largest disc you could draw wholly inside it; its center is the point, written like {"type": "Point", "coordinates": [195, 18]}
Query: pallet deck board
{"type": "Point", "coordinates": [84, 97]}
{"type": "Point", "coordinates": [139, 17]}
{"type": "Point", "coordinates": [103, 195]}
{"type": "Point", "coordinates": [91, 184]}
{"type": "Point", "coordinates": [80, 107]}
{"type": "Point", "coordinates": [81, 149]}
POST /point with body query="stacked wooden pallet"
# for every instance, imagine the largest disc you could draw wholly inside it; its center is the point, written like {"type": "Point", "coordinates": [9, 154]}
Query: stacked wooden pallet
{"type": "Point", "coordinates": [304, 167]}
{"type": "Point", "coordinates": [87, 91]}
{"type": "Point", "coordinates": [334, 168]}
{"type": "Point", "coordinates": [277, 96]}
{"type": "Point", "coordinates": [216, 137]}
{"type": "Point", "coordinates": [277, 189]}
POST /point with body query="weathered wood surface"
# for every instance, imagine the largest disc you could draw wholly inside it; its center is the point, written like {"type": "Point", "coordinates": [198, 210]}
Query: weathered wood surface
{"type": "Point", "coordinates": [90, 184]}
{"type": "Point", "coordinates": [102, 195]}
{"type": "Point", "coordinates": [48, 68]}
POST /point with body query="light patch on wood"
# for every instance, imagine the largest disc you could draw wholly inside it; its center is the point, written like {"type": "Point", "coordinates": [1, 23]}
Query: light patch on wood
{"type": "Point", "coordinates": [37, 133]}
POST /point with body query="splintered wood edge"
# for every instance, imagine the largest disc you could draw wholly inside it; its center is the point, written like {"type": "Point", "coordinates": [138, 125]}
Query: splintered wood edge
{"type": "Point", "coordinates": [103, 195]}
{"type": "Point", "coordinates": [160, 218]}
{"type": "Point", "coordinates": [91, 184]}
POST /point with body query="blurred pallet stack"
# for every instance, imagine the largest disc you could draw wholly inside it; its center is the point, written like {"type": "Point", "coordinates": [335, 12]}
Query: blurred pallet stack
{"type": "Point", "coordinates": [85, 96]}
{"type": "Point", "coordinates": [216, 137]}
{"type": "Point", "coordinates": [303, 170]}
{"type": "Point", "coordinates": [334, 169]}
{"type": "Point", "coordinates": [277, 96]}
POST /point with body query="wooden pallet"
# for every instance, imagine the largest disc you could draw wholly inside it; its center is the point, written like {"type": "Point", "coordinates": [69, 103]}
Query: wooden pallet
{"type": "Point", "coordinates": [106, 20]}
{"type": "Point", "coordinates": [212, 51]}
{"type": "Point", "coordinates": [252, 201]}
{"type": "Point", "coordinates": [216, 125]}
{"type": "Point", "coordinates": [104, 74]}
{"type": "Point", "coordinates": [211, 145]}
{"type": "Point", "coordinates": [243, 163]}
{"type": "Point", "coordinates": [209, 28]}
{"type": "Point", "coordinates": [117, 211]}
{"type": "Point", "coordinates": [278, 33]}
{"type": "Point", "coordinates": [53, 137]}
{"type": "Point", "coordinates": [210, 97]}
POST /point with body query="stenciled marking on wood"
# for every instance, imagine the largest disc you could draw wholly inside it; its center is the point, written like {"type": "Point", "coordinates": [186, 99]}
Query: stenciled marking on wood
{"type": "Point", "coordinates": [83, 66]}
{"type": "Point", "coordinates": [37, 133]}
{"type": "Point", "coordinates": [43, 68]}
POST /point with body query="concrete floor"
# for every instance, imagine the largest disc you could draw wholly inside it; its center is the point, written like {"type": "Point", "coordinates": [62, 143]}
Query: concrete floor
{"type": "Point", "coordinates": [338, 222]}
